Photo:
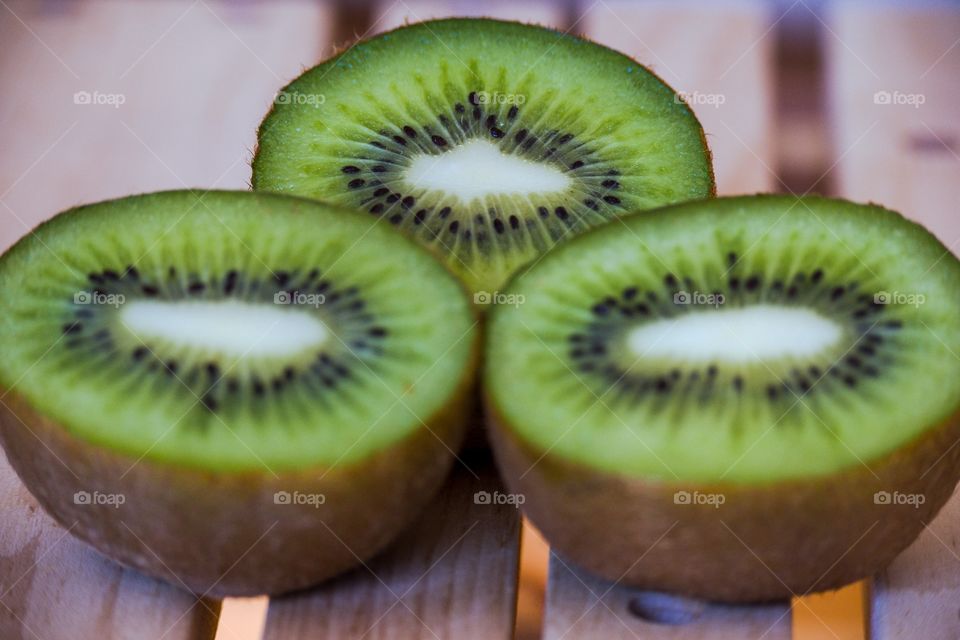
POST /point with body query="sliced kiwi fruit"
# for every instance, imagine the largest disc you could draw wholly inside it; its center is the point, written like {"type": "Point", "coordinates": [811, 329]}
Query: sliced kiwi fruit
{"type": "Point", "coordinates": [239, 393]}
{"type": "Point", "coordinates": [489, 142]}
{"type": "Point", "coordinates": [736, 399]}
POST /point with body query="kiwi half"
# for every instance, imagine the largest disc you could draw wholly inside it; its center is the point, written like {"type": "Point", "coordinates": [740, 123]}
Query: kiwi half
{"type": "Point", "coordinates": [736, 399]}
{"type": "Point", "coordinates": [489, 142]}
{"type": "Point", "coordinates": [238, 393]}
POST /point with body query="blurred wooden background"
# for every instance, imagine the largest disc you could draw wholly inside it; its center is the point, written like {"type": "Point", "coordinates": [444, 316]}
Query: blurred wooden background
{"type": "Point", "coordinates": [102, 98]}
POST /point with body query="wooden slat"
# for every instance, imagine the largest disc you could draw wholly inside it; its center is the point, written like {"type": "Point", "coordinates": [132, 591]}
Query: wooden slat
{"type": "Point", "coordinates": [54, 587]}
{"type": "Point", "coordinates": [719, 56]}
{"type": "Point", "coordinates": [705, 50]}
{"type": "Point", "coordinates": [452, 575]}
{"type": "Point", "coordinates": [906, 157]}
{"type": "Point", "coordinates": [582, 606]}
{"type": "Point", "coordinates": [391, 13]}
{"type": "Point", "coordinates": [195, 79]}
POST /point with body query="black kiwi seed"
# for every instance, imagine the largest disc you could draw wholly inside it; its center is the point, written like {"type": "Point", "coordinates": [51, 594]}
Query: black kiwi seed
{"type": "Point", "coordinates": [438, 140]}
{"type": "Point", "coordinates": [73, 327]}
{"type": "Point", "coordinates": [350, 169]}
{"type": "Point", "coordinates": [230, 282]}
{"type": "Point", "coordinates": [356, 183]}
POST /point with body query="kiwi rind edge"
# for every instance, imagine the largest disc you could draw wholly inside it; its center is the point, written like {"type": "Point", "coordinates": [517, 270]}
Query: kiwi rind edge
{"type": "Point", "coordinates": [222, 534]}
{"type": "Point", "coordinates": [766, 542]}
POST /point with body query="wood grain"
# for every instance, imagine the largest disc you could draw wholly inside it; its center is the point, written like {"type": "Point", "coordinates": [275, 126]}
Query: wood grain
{"type": "Point", "coordinates": [194, 78]}
{"type": "Point", "coordinates": [894, 76]}
{"type": "Point", "coordinates": [54, 587]}
{"type": "Point", "coordinates": [452, 575]}
{"type": "Point", "coordinates": [582, 606]}
{"type": "Point", "coordinates": [390, 14]}
{"type": "Point", "coordinates": [719, 56]}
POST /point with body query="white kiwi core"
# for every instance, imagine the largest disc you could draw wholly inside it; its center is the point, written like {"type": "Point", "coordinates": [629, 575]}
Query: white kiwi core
{"type": "Point", "coordinates": [478, 169]}
{"type": "Point", "coordinates": [229, 327]}
{"type": "Point", "coordinates": [758, 333]}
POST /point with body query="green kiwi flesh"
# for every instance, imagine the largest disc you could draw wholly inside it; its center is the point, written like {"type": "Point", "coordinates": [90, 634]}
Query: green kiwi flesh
{"type": "Point", "coordinates": [488, 142]}
{"type": "Point", "coordinates": [754, 370]}
{"type": "Point", "coordinates": [201, 353]}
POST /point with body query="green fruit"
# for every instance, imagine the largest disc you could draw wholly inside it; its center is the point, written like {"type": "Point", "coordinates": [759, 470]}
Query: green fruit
{"type": "Point", "coordinates": [488, 142]}
{"type": "Point", "coordinates": [259, 377]}
{"type": "Point", "coordinates": [758, 371]}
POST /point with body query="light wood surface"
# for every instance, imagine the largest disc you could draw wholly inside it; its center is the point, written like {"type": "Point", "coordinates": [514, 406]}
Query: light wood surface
{"type": "Point", "coordinates": [389, 14]}
{"type": "Point", "coordinates": [895, 85]}
{"type": "Point", "coordinates": [581, 606]}
{"type": "Point", "coordinates": [452, 575]}
{"type": "Point", "coordinates": [53, 587]}
{"type": "Point", "coordinates": [194, 78]}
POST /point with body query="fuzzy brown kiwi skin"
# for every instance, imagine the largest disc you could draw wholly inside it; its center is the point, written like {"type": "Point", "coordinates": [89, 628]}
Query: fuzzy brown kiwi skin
{"type": "Point", "coordinates": [222, 534]}
{"type": "Point", "coordinates": [764, 543]}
